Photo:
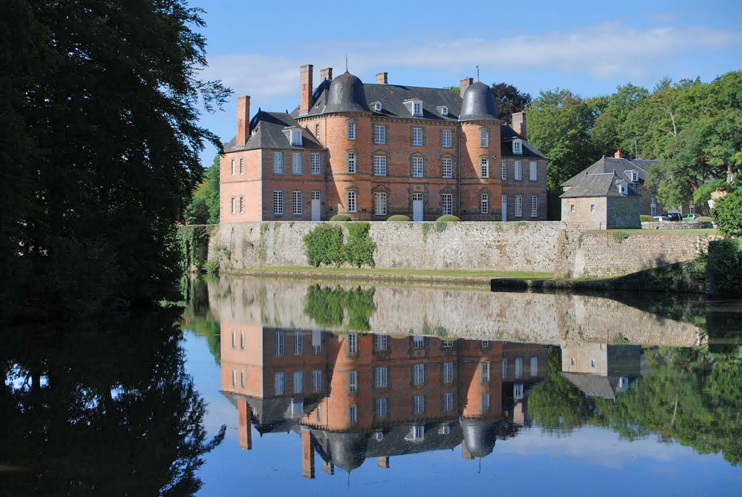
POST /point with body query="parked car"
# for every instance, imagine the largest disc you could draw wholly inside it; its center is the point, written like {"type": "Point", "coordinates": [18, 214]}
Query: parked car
{"type": "Point", "coordinates": [690, 217]}
{"type": "Point", "coordinates": [670, 216]}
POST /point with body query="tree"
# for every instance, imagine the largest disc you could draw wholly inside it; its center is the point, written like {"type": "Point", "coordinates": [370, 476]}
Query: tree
{"type": "Point", "coordinates": [728, 213]}
{"type": "Point", "coordinates": [102, 117]}
{"type": "Point", "coordinates": [509, 100]}
{"type": "Point", "coordinates": [204, 205]}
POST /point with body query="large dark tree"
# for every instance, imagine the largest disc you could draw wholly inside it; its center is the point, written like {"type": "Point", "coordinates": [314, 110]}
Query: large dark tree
{"type": "Point", "coordinates": [100, 147]}
{"type": "Point", "coordinates": [509, 100]}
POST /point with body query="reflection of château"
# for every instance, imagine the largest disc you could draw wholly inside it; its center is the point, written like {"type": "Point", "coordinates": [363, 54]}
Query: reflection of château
{"type": "Point", "coordinates": [356, 396]}
{"type": "Point", "coordinates": [600, 369]}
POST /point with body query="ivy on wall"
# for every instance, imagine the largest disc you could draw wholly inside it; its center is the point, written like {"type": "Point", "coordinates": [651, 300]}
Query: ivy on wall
{"type": "Point", "coordinates": [325, 245]}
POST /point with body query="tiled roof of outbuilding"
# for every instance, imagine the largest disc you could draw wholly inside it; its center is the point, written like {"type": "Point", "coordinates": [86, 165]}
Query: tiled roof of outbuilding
{"type": "Point", "coordinates": [597, 185]}
{"type": "Point", "coordinates": [609, 164]}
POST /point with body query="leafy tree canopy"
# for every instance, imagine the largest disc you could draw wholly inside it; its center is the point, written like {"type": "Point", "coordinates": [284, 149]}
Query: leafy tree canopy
{"type": "Point", "coordinates": [509, 100]}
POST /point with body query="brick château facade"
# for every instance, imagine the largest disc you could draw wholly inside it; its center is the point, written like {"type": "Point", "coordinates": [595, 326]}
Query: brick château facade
{"type": "Point", "coordinates": [374, 150]}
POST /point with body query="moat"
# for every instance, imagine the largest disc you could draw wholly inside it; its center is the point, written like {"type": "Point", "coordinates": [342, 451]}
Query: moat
{"type": "Point", "coordinates": [354, 388]}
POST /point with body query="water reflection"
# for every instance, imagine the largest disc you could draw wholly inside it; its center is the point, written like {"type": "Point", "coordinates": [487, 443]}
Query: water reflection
{"type": "Point", "coordinates": [100, 407]}
{"type": "Point", "coordinates": [375, 372]}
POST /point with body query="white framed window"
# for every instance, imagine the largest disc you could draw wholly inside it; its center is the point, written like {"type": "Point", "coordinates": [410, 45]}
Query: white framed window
{"type": "Point", "coordinates": [485, 402]}
{"type": "Point", "coordinates": [484, 167]}
{"type": "Point", "coordinates": [297, 202]}
{"type": "Point", "coordinates": [444, 430]}
{"type": "Point", "coordinates": [518, 206]}
{"type": "Point", "coordinates": [377, 106]}
{"type": "Point", "coordinates": [297, 408]}
{"type": "Point", "coordinates": [242, 204]}
{"type": "Point", "coordinates": [504, 368]}
{"type": "Point", "coordinates": [352, 381]}
{"type": "Point", "coordinates": [316, 130]}
{"type": "Point", "coordinates": [418, 431]}
{"type": "Point", "coordinates": [517, 146]}
{"type": "Point", "coordinates": [447, 372]}
{"type": "Point", "coordinates": [484, 204]}
{"type": "Point", "coordinates": [295, 137]}
{"type": "Point", "coordinates": [381, 342]}
{"type": "Point", "coordinates": [234, 167]}
{"type": "Point", "coordinates": [418, 374]}
{"type": "Point", "coordinates": [279, 383]}
{"type": "Point", "coordinates": [592, 207]}
{"type": "Point", "coordinates": [485, 344]}
{"type": "Point", "coordinates": [504, 169]}
{"type": "Point", "coordinates": [234, 377]}
{"type": "Point", "coordinates": [277, 162]}
{"type": "Point", "coordinates": [519, 367]}
{"type": "Point", "coordinates": [534, 366]}
{"type": "Point", "coordinates": [446, 344]}
{"type": "Point", "coordinates": [634, 176]}
{"type": "Point", "coordinates": [234, 205]}
{"type": "Point", "coordinates": [314, 164]}
{"type": "Point", "coordinates": [351, 130]}
{"type": "Point", "coordinates": [623, 189]}
{"type": "Point", "coordinates": [417, 167]}
{"type": "Point", "coordinates": [446, 138]}
{"type": "Point", "coordinates": [298, 382]}
{"type": "Point", "coordinates": [297, 163]}
{"type": "Point", "coordinates": [277, 202]}
{"type": "Point", "coordinates": [242, 340]}
{"type": "Point", "coordinates": [484, 138]}
{"type": "Point", "coordinates": [242, 166]}
{"type": "Point", "coordinates": [447, 404]}
{"type": "Point", "coordinates": [351, 162]}
{"type": "Point", "coordinates": [446, 167]}
{"type": "Point", "coordinates": [353, 413]}
{"type": "Point", "coordinates": [533, 170]}
{"type": "Point", "coordinates": [533, 200]}
{"type": "Point", "coordinates": [298, 343]}
{"type": "Point", "coordinates": [352, 343]}
{"type": "Point", "coordinates": [381, 408]}
{"type": "Point", "coordinates": [381, 376]}
{"type": "Point", "coordinates": [379, 134]}
{"type": "Point", "coordinates": [352, 200]}
{"type": "Point", "coordinates": [242, 378]}
{"type": "Point", "coordinates": [418, 341]}
{"type": "Point", "coordinates": [485, 372]}
{"type": "Point", "coordinates": [443, 110]}
{"type": "Point", "coordinates": [518, 391]}
{"type": "Point", "coordinates": [418, 404]}
{"type": "Point", "coordinates": [316, 381]}
{"type": "Point", "coordinates": [379, 165]}
{"type": "Point", "coordinates": [279, 343]}
{"type": "Point", "coordinates": [447, 204]}
{"type": "Point", "coordinates": [380, 204]}
{"type": "Point", "coordinates": [316, 342]}
{"type": "Point", "coordinates": [518, 173]}
{"type": "Point", "coordinates": [417, 137]}
{"type": "Point", "coordinates": [418, 108]}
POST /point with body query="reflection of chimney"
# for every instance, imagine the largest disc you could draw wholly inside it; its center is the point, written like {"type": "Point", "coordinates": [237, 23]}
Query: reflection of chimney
{"type": "Point", "coordinates": [381, 78]}
{"type": "Point", "coordinates": [465, 454]}
{"type": "Point", "coordinates": [465, 84]}
{"type": "Point", "coordinates": [243, 120]}
{"type": "Point", "coordinates": [618, 154]}
{"type": "Point", "coordinates": [383, 462]}
{"type": "Point", "coordinates": [519, 123]}
{"type": "Point", "coordinates": [243, 417]}
{"type": "Point", "coordinates": [328, 468]}
{"type": "Point", "coordinates": [306, 76]}
{"type": "Point", "coordinates": [307, 455]}
{"type": "Point", "coordinates": [325, 73]}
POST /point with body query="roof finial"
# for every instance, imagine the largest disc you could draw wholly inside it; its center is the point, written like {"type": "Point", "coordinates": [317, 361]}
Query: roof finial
{"type": "Point", "coordinates": [346, 62]}
{"type": "Point", "coordinates": [477, 74]}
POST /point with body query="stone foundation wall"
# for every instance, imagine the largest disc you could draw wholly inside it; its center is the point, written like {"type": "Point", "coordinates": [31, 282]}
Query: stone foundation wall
{"type": "Point", "coordinates": [684, 225]}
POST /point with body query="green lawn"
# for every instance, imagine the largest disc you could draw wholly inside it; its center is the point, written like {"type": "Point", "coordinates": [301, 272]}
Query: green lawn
{"type": "Point", "coordinates": [524, 275]}
{"type": "Point", "coordinates": [698, 232]}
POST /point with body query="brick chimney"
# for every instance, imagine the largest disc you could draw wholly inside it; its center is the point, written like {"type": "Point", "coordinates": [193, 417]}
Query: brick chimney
{"type": "Point", "coordinates": [325, 73]}
{"type": "Point", "coordinates": [383, 462]}
{"type": "Point", "coordinates": [307, 455]}
{"type": "Point", "coordinates": [465, 83]}
{"type": "Point", "coordinates": [306, 73]}
{"type": "Point", "coordinates": [243, 417]}
{"type": "Point", "coordinates": [618, 154]}
{"type": "Point", "coordinates": [381, 78]}
{"type": "Point", "coordinates": [243, 120]}
{"type": "Point", "coordinates": [519, 123]}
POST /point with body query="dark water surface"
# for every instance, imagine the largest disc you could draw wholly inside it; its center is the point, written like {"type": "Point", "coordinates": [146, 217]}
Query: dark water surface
{"type": "Point", "coordinates": [368, 390]}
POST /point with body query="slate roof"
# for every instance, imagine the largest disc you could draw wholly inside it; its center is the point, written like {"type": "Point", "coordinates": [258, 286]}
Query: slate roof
{"type": "Point", "coordinates": [609, 164]}
{"type": "Point", "coordinates": [267, 132]}
{"type": "Point", "coordinates": [507, 134]}
{"type": "Point", "coordinates": [593, 385]}
{"type": "Point", "coordinates": [597, 185]}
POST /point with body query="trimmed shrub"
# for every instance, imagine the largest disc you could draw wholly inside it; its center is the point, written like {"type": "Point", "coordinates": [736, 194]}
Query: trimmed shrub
{"type": "Point", "coordinates": [399, 217]}
{"type": "Point", "coordinates": [647, 219]}
{"type": "Point", "coordinates": [728, 213]}
{"type": "Point", "coordinates": [359, 250]}
{"type": "Point", "coordinates": [447, 218]}
{"type": "Point", "coordinates": [340, 217]}
{"type": "Point", "coordinates": [324, 245]}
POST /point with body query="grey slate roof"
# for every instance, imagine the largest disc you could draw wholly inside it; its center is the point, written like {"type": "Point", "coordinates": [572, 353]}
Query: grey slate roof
{"type": "Point", "coordinates": [529, 151]}
{"type": "Point", "coordinates": [267, 132]}
{"type": "Point", "coordinates": [608, 164]}
{"type": "Point", "coordinates": [593, 385]}
{"type": "Point", "coordinates": [478, 104]}
{"type": "Point", "coordinates": [597, 185]}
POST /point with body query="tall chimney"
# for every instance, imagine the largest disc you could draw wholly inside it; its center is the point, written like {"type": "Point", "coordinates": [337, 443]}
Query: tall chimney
{"type": "Point", "coordinates": [307, 455]}
{"type": "Point", "coordinates": [519, 123]}
{"type": "Point", "coordinates": [381, 78]}
{"type": "Point", "coordinates": [243, 120]}
{"type": "Point", "coordinates": [618, 154]}
{"type": "Point", "coordinates": [306, 72]}
{"type": "Point", "coordinates": [325, 73]}
{"type": "Point", "coordinates": [465, 83]}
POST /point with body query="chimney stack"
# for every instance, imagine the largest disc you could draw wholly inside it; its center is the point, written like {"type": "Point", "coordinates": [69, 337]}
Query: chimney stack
{"type": "Point", "coordinates": [519, 124]}
{"type": "Point", "coordinates": [307, 455]}
{"type": "Point", "coordinates": [325, 73]}
{"type": "Point", "coordinates": [381, 78]}
{"type": "Point", "coordinates": [618, 154]}
{"type": "Point", "coordinates": [306, 76]}
{"type": "Point", "coordinates": [243, 120]}
{"type": "Point", "coordinates": [465, 83]}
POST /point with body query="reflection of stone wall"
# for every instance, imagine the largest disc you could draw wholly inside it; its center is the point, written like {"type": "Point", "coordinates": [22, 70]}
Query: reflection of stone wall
{"type": "Point", "coordinates": [525, 317]}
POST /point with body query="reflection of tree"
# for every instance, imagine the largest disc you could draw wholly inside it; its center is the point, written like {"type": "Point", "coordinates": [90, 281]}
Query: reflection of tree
{"type": "Point", "coordinates": [688, 395]}
{"type": "Point", "coordinates": [104, 407]}
{"type": "Point", "coordinates": [328, 306]}
{"type": "Point", "coordinates": [197, 316]}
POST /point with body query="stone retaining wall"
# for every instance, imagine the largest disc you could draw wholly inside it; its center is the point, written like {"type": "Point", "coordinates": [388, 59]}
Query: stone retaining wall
{"type": "Point", "coordinates": [683, 225]}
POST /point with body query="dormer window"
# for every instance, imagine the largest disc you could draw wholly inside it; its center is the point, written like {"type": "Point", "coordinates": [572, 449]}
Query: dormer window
{"type": "Point", "coordinates": [442, 110]}
{"type": "Point", "coordinates": [633, 176]}
{"type": "Point", "coordinates": [376, 106]}
{"type": "Point", "coordinates": [294, 136]}
{"type": "Point", "coordinates": [623, 188]}
{"type": "Point", "coordinates": [518, 147]}
{"type": "Point", "coordinates": [415, 106]}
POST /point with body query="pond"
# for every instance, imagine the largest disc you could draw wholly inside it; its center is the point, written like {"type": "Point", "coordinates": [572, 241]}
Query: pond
{"type": "Point", "coordinates": [274, 386]}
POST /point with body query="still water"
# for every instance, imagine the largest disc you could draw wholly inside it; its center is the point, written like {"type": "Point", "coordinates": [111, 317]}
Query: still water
{"type": "Point", "coordinates": [266, 387]}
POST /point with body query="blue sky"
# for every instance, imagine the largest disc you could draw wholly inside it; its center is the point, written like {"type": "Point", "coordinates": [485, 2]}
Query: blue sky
{"type": "Point", "coordinates": [256, 48]}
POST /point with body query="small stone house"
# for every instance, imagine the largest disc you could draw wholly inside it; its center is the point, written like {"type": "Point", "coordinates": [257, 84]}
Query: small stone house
{"type": "Point", "coordinates": [601, 201]}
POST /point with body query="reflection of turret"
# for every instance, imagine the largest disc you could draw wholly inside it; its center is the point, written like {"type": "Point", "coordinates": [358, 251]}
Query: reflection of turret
{"type": "Point", "coordinates": [479, 436]}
